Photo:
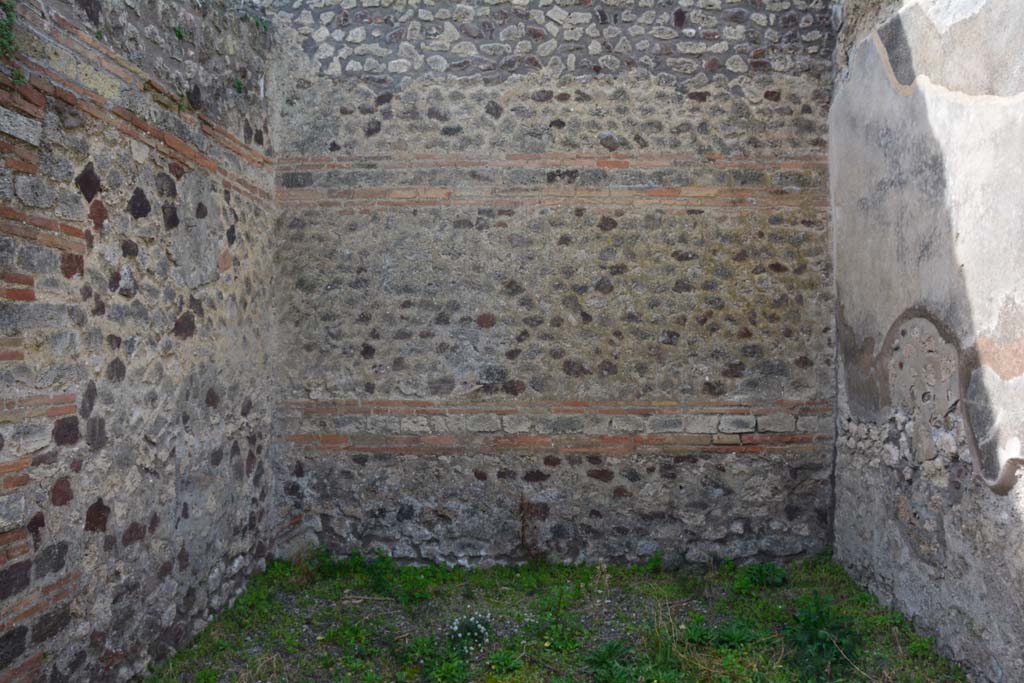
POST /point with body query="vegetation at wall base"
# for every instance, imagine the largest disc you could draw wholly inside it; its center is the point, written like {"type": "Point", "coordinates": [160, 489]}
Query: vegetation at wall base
{"type": "Point", "coordinates": [360, 619]}
{"type": "Point", "coordinates": [7, 15]}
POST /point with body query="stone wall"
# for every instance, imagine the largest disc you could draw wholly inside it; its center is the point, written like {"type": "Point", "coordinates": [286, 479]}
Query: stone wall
{"type": "Point", "coordinates": [926, 135]}
{"type": "Point", "coordinates": [555, 277]}
{"type": "Point", "coordinates": [135, 216]}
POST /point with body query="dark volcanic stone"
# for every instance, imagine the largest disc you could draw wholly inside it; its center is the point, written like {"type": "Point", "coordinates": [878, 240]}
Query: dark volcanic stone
{"type": "Point", "coordinates": [65, 431]}
{"type": "Point", "coordinates": [165, 186]}
{"type": "Point", "coordinates": [185, 325]}
{"type": "Point", "coordinates": [72, 265]}
{"type": "Point", "coordinates": [116, 370]}
{"type": "Point", "coordinates": [195, 97]}
{"type": "Point", "coordinates": [98, 214]}
{"type": "Point", "coordinates": [50, 624]}
{"type": "Point", "coordinates": [138, 205]}
{"type": "Point", "coordinates": [574, 368]}
{"type": "Point", "coordinates": [50, 559]}
{"type": "Point", "coordinates": [12, 644]}
{"type": "Point", "coordinates": [170, 214]}
{"type": "Point", "coordinates": [88, 182]}
{"type": "Point", "coordinates": [96, 516]}
{"type": "Point", "coordinates": [88, 400]}
{"type": "Point", "coordinates": [14, 578]}
{"type": "Point", "coordinates": [96, 432]}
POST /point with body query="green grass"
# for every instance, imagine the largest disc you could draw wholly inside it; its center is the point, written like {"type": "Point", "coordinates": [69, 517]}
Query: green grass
{"type": "Point", "coordinates": [364, 620]}
{"type": "Point", "coordinates": [7, 46]}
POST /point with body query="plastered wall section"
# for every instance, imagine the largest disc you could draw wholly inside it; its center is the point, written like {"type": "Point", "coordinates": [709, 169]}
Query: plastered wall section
{"type": "Point", "coordinates": [926, 128]}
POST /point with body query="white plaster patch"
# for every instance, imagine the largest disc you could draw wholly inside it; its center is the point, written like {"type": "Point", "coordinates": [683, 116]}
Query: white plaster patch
{"type": "Point", "coordinates": [947, 13]}
{"type": "Point", "coordinates": [1009, 451]}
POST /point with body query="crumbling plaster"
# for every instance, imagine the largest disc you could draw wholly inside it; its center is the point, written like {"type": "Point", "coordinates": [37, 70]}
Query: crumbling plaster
{"type": "Point", "coordinates": [926, 133]}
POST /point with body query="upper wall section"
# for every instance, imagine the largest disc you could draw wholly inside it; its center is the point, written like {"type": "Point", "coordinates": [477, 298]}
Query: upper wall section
{"type": "Point", "coordinates": [688, 44]}
{"type": "Point", "coordinates": [387, 42]}
{"type": "Point", "coordinates": [208, 57]}
{"type": "Point", "coordinates": [623, 200]}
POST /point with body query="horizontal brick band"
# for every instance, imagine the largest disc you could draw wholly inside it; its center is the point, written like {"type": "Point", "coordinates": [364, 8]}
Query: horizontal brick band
{"type": "Point", "coordinates": [550, 160]}
{"type": "Point", "coordinates": [26, 407]}
{"type": "Point", "coordinates": [28, 670]}
{"type": "Point", "coordinates": [511, 197]}
{"type": "Point", "coordinates": [139, 129]}
{"type": "Point", "coordinates": [13, 544]}
{"type": "Point", "coordinates": [412, 407]}
{"type": "Point", "coordinates": [530, 444]}
{"type": "Point", "coordinates": [44, 231]}
{"type": "Point", "coordinates": [425, 427]}
{"type": "Point", "coordinates": [41, 599]}
{"type": "Point", "coordinates": [11, 349]}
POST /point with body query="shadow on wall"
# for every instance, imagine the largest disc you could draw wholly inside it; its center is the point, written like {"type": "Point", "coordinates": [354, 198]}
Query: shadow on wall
{"type": "Point", "coordinates": [916, 257]}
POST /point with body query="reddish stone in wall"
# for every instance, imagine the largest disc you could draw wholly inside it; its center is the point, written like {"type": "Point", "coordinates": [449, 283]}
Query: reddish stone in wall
{"type": "Point", "coordinates": [98, 214]}
{"type": "Point", "coordinates": [133, 534]}
{"type": "Point", "coordinates": [61, 492]}
{"type": "Point", "coordinates": [96, 516]}
{"type": "Point", "coordinates": [185, 325]}
{"type": "Point", "coordinates": [72, 265]}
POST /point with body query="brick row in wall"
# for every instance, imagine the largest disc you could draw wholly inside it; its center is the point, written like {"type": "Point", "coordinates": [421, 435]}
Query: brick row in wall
{"type": "Point", "coordinates": [423, 427]}
{"type": "Point", "coordinates": [499, 196]}
{"type": "Point", "coordinates": [581, 160]}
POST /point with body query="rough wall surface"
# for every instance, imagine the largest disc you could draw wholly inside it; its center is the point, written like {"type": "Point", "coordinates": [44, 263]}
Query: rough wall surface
{"type": "Point", "coordinates": [556, 277]}
{"type": "Point", "coordinates": [927, 129]}
{"type": "Point", "coordinates": [135, 416]}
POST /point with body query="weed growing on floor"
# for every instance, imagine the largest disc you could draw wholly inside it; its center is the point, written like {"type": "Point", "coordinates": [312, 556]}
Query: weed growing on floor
{"type": "Point", "coordinates": [751, 577]}
{"type": "Point", "coordinates": [470, 634]}
{"type": "Point", "coordinates": [821, 640]}
{"type": "Point", "coordinates": [367, 619]}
